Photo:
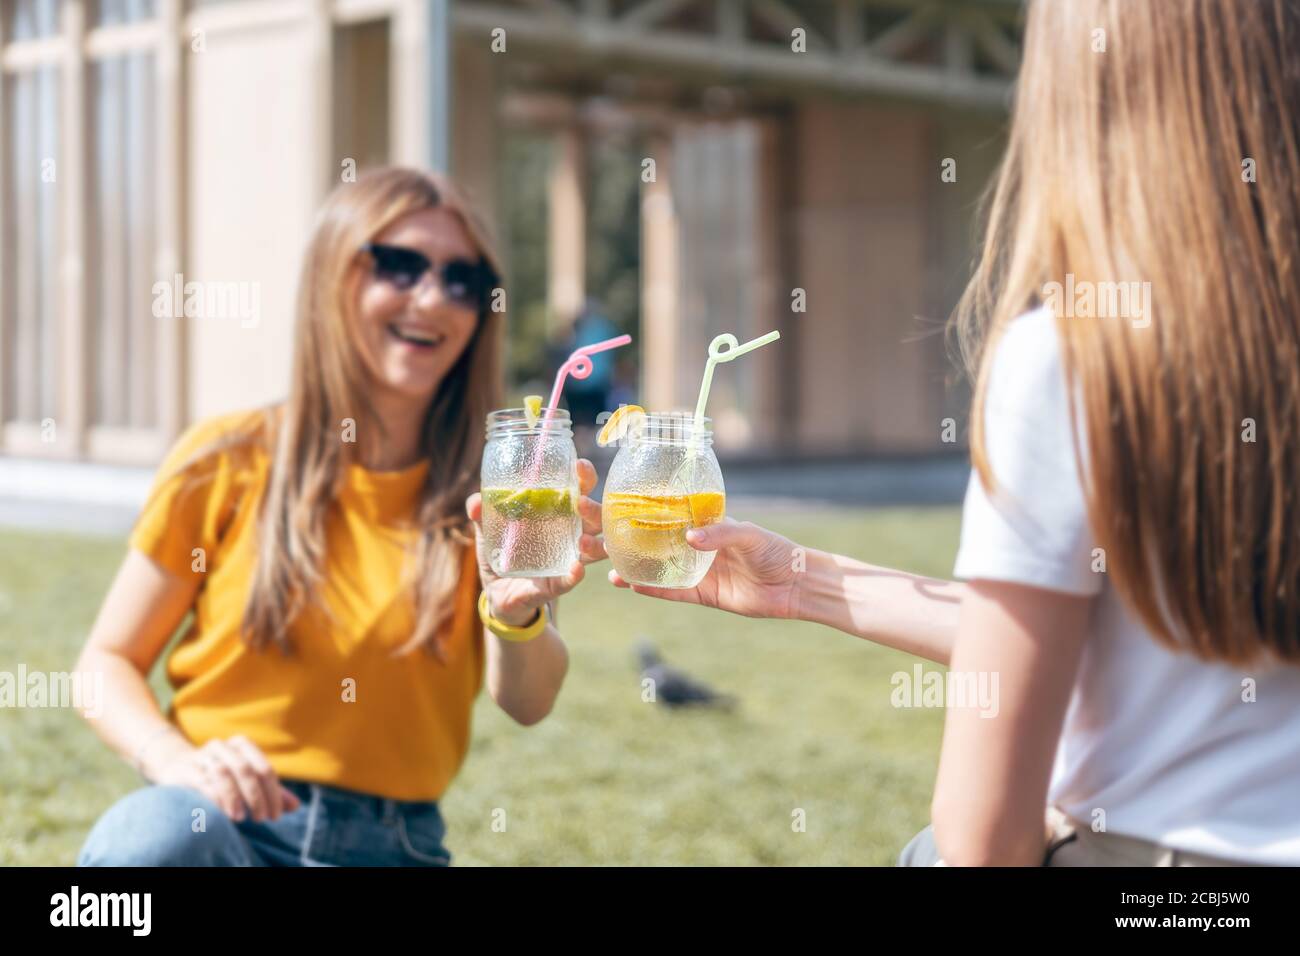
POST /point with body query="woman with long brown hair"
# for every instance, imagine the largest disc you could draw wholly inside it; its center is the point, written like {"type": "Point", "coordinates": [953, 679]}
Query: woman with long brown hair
{"type": "Point", "coordinates": [1131, 531]}
{"type": "Point", "coordinates": [325, 547]}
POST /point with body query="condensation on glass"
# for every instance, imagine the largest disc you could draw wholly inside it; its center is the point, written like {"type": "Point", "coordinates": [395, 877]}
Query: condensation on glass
{"type": "Point", "coordinates": [663, 482]}
{"type": "Point", "coordinates": [529, 484]}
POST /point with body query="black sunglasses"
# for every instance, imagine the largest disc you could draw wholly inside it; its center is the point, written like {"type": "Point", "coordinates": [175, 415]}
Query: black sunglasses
{"type": "Point", "coordinates": [464, 283]}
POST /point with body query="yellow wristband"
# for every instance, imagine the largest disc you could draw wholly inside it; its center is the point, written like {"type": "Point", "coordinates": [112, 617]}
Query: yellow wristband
{"type": "Point", "coordinates": [508, 632]}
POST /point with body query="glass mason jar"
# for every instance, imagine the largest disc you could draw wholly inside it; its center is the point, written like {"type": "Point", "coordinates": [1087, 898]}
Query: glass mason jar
{"type": "Point", "coordinates": [664, 481]}
{"type": "Point", "coordinates": [529, 485]}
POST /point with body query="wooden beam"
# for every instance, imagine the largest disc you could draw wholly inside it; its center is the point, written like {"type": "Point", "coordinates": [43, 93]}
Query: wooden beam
{"type": "Point", "coordinates": [849, 32]}
{"type": "Point", "coordinates": [122, 38]}
{"type": "Point", "coordinates": [363, 11]}
{"type": "Point", "coordinates": [750, 62]}
{"type": "Point", "coordinates": [902, 37]}
{"type": "Point", "coordinates": [97, 44]}
{"type": "Point", "coordinates": [993, 42]}
{"type": "Point", "coordinates": [652, 12]}
{"type": "Point", "coordinates": [232, 17]}
{"type": "Point", "coordinates": [781, 17]}
{"type": "Point", "coordinates": [958, 48]}
{"type": "Point", "coordinates": [551, 7]}
{"type": "Point", "coordinates": [731, 21]}
{"type": "Point", "coordinates": [32, 54]}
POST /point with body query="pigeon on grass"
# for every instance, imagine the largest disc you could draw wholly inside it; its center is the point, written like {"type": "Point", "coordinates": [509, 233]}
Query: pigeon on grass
{"type": "Point", "coordinates": [673, 687]}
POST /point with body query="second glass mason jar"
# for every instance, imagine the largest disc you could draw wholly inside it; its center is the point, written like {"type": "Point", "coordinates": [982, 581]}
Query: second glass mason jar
{"type": "Point", "coordinates": [529, 485]}
{"type": "Point", "coordinates": [664, 481]}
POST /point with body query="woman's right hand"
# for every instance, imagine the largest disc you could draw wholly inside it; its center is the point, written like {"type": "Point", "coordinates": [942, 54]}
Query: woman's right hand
{"type": "Point", "coordinates": [754, 572]}
{"type": "Point", "coordinates": [234, 774]}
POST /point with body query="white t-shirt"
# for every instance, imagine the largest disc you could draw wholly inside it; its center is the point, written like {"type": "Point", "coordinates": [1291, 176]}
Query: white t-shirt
{"type": "Point", "coordinates": [1160, 741]}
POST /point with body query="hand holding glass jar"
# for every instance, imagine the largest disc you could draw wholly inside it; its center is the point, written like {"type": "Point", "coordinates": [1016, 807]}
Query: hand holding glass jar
{"type": "Point", "coordinates": [536, 527]}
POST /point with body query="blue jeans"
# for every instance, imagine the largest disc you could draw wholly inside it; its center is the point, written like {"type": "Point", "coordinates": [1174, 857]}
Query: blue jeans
{"type": "Point", "coordinates": [163, 826]}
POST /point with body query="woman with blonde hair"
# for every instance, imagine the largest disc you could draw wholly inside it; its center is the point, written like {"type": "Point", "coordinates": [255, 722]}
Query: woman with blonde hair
{"type": "Point", "coordinates": [325, 548]}
{"type": "Point", "coordinates": [1131, 532]}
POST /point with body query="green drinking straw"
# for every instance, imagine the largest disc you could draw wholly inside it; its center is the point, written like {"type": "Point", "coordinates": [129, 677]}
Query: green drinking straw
{"type": "Point", "coordinates": [716, 355]}
{"type": "Point", "coordinates": [684, 475]}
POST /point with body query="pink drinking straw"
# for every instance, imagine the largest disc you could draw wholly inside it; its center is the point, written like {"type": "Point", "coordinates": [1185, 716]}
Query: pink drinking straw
{"type": "Point", "coordinates": [579, 365]}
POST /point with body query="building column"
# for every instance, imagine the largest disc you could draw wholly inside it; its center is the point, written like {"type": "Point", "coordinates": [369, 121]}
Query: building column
{"type": "Point", "coordinates": [660, 284]}
{"type": "Point", "coordinates": [319, 31]}
{"type": "Point", "coordinates": [776, 369]}
{"type": "Point", "coordinates": [476, 125]}
{"type": "Point", "coordinates": [410, 108]}
{"type": "Point", "coordinates": [567, 229]}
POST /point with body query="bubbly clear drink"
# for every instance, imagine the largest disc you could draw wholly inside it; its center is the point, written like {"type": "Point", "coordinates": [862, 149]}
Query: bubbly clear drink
{"type": "Point", "coordinates": [531, 532]}
{"type": "Point", "coordinates": [529, 486]}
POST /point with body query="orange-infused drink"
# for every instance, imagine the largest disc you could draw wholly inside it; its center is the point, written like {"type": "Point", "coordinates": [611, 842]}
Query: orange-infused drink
{"type": "Point", "coordinates": [648, 534]}
{"type": "Point", "coordinates": [664, 481]}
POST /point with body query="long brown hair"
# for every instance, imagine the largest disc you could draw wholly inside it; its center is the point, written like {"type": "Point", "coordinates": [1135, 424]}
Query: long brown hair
{"type": "Point", "coordinates": [328, 386]}
{"type": "Point", "coordinates": [1169, 158]}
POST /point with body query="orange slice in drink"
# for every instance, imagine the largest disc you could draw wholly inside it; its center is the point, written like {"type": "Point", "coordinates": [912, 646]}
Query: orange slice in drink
{"type": "Point", "coordinates": [626, 418]}
{"type": "Point", "coordinates": [707, 507]}
{"type": "Point", "coordinates": [659, 522]}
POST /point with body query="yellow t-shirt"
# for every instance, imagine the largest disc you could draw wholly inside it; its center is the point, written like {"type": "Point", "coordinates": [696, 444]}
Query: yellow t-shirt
{"type": "Point", "coordinates": [343, 709]}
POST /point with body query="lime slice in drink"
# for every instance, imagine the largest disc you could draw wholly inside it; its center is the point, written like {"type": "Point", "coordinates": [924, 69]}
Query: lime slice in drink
{"type": "Point", "coordinates": [517, 504]}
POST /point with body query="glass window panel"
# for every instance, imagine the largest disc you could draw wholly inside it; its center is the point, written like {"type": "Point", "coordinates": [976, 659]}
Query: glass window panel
{"type": "Point", "coordinates": [29, 310]}
{"type": "Point", "coordinates": [30, 19]}
{"type": "Point", "coordinates": [107, 13]}
{"type": "Point", "coordinates": [120, 222]}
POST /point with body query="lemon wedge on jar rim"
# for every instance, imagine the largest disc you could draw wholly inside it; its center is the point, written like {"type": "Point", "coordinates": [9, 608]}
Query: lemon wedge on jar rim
{"type": "Point", "coordinates": [532, 409]}
{"type": "Point", "coordinates": [626, 418]}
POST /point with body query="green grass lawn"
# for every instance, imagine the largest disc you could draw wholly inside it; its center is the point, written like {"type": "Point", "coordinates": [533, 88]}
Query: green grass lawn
{"type": "Point", "coordinates": [606, 778]}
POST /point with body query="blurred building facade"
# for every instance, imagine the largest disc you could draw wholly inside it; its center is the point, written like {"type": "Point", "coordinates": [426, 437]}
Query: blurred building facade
{"type": "Point", "coordinates": [792, 178]}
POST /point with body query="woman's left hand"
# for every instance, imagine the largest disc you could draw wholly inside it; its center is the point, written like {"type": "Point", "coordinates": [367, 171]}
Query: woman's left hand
{"type": "Point", "coordinates": [515, 601]}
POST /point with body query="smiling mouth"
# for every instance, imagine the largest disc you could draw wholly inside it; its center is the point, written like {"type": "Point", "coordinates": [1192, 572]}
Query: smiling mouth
{"type": "Point", "coordinates": [418, 339]}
